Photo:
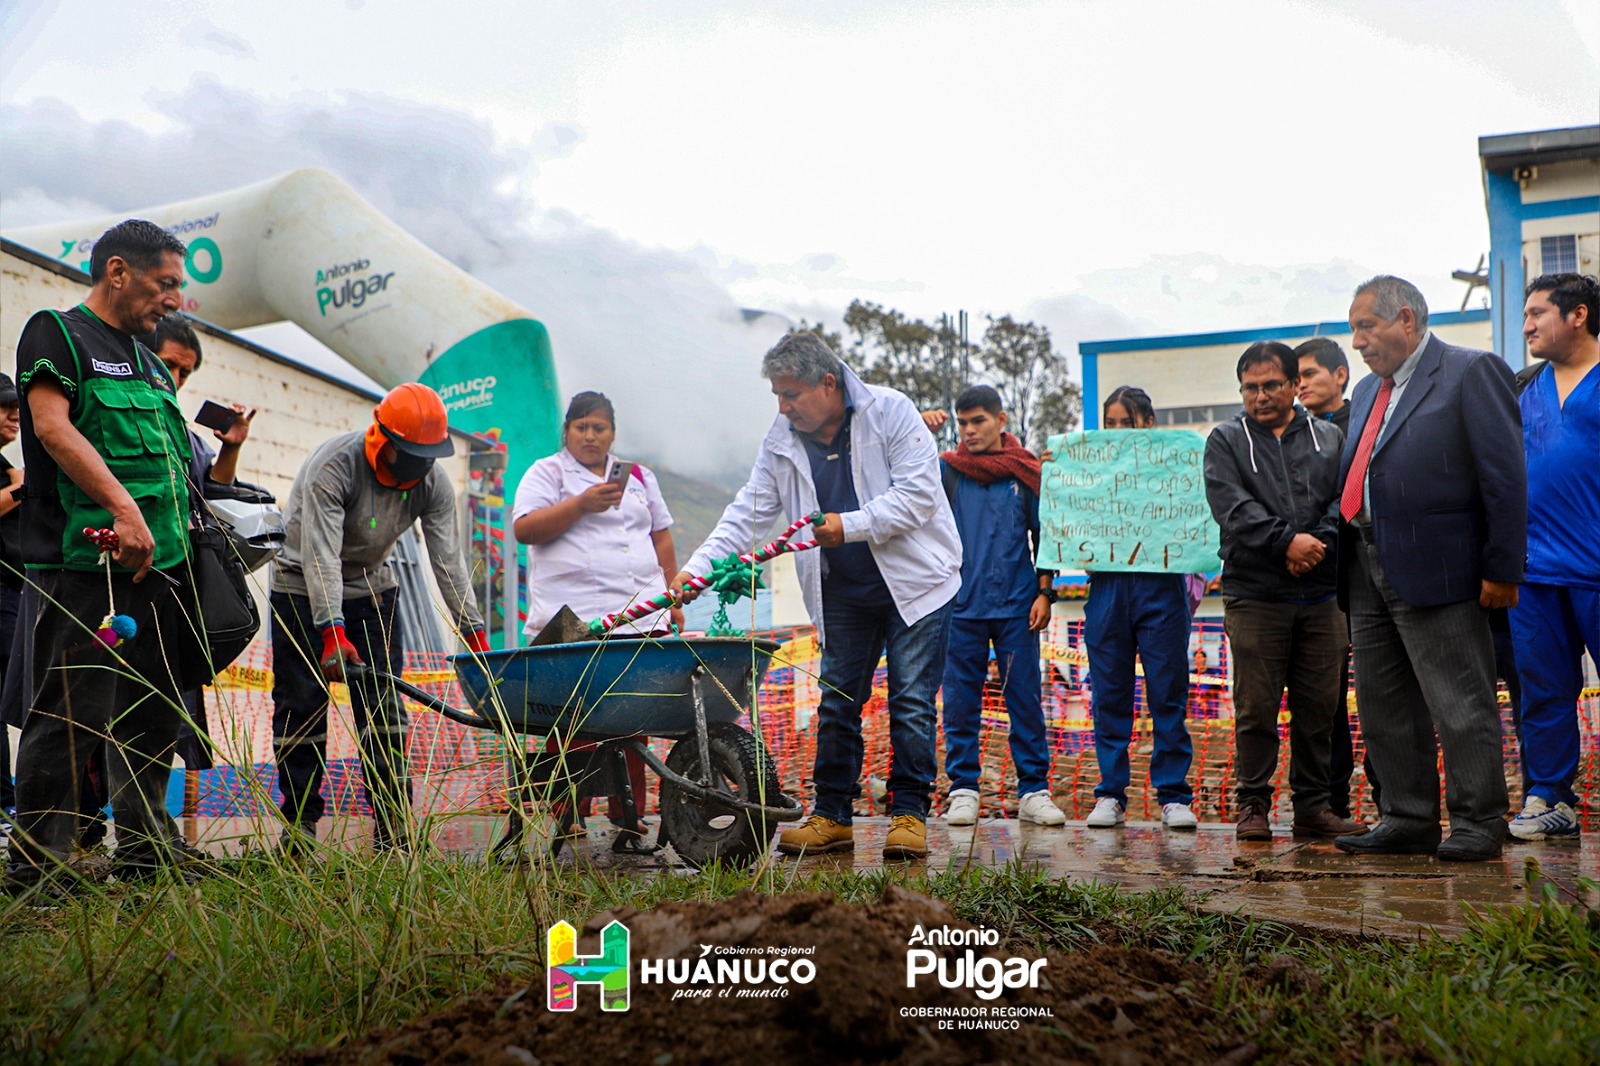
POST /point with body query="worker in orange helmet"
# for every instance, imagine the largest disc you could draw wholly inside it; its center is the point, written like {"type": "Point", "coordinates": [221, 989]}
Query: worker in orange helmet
{"type": "Point", "coordinates": [334, 597]}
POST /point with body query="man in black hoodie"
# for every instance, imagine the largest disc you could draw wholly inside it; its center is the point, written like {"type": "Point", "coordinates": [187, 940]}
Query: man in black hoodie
{"type": "Point", "coordinates": [1272, 479]}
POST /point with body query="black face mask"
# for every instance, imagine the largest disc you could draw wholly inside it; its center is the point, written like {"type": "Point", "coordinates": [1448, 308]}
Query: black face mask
{"type": "Point", "coordinates": [410, 467]}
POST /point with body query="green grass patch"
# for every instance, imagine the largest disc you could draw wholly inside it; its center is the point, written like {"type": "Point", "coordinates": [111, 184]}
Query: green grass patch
{"type": "Point", "coordinates": [266, 958]}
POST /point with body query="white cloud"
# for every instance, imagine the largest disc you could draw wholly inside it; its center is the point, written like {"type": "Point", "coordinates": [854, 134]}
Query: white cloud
{"type": "Point", "coordinates": [222, 42]}
{"type": "Point", "coordinates": [649, 326]}
{"type": "Point", "coordinates": [634, 172]}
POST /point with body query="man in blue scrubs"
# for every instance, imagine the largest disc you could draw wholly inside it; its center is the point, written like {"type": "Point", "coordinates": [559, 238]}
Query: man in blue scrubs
{"type": "Point", "coordinates": [1559, 613]}
{"type": "Point", "coordinates": [993, 485]}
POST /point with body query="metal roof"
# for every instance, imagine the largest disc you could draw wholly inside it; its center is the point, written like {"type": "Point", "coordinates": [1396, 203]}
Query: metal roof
{"type": "Point", "coordinates": [1507, 150]}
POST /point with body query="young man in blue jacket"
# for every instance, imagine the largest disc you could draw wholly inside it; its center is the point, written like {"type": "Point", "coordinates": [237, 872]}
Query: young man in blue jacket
{"type": "Point", "coordinates": [993, 485]}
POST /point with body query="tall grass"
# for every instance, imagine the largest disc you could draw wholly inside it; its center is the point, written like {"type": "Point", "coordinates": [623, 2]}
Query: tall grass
{"type": "Point", "coordinates": [269, 956]}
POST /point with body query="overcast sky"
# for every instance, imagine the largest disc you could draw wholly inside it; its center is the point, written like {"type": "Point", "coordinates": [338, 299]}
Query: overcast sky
{"type": "Point", "coordinates": [633, 173]}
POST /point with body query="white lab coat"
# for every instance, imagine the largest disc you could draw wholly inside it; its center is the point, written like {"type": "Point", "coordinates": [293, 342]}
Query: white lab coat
{"type": "Point", "coordinates": [904, 517]}
{"type": "Point", "coordinates": [603, 562]}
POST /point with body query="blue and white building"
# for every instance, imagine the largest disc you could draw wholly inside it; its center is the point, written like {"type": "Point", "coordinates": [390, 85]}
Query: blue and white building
{"type": "Point", "coordinates": [1542, 190]}
{"type": "Point", "coordinates": [1189, 376]}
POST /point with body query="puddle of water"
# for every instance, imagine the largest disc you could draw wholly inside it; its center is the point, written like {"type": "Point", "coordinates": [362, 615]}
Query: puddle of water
{"type": "Point", "coordinates": [1306, 884]}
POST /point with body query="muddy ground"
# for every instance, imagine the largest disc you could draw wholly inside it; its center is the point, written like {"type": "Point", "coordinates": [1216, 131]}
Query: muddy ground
{"type": "Point", "coordinates": [1106, 1005]}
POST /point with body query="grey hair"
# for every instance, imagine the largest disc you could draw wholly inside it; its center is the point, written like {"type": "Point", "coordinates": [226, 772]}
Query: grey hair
{"type": "Point", "coordinates": [1390, 294]}
{"type": "Point", "coordinates": [803, 355]}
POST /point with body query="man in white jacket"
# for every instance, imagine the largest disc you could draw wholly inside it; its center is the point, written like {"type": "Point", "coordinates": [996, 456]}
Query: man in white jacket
{"type": "Point", "coordinates": [884, 580]}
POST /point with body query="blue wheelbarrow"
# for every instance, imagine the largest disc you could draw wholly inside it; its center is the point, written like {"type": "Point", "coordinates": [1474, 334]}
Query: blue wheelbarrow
{"type": "Point", "coordinates": [720, 793]}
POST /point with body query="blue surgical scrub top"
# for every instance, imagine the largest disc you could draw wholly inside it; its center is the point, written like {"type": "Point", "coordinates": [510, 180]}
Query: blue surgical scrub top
{"type": "Point", "coordinates": [1563, 446]}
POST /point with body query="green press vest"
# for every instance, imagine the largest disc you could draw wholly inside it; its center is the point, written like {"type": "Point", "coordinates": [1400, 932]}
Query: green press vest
{"type": "Point", "coordinates": [139, 432]}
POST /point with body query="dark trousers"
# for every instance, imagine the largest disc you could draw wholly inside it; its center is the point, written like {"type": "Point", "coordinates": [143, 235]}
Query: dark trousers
{"type": "Point", "coordinates": [966, 668]}
{"type": "Point", "coordinates": [1342, 761]}
{"type": "Point", "coordinates": [1505, 668]}
{"type": "Point", "coordinates": [1425, 681]}
{"type": "Point", "coordinates": [10, 601]}
{"type": "Point", "coordinates": [856, 638]}
{"type": "Point", "coordinates": [1278, 646]}
{"type": "Point", "coordinates": [1147, 615]}
{"type": "Point", "coordinates": [86, 694]}
{"type": "Point", "coordinates": [18, 610]}
{"type": "Point", "coordinates": [300, 712]}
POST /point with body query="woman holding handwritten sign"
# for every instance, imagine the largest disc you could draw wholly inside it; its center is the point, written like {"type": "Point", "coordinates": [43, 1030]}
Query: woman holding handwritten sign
{"type": "Point", "coordinates": [1146, 616]}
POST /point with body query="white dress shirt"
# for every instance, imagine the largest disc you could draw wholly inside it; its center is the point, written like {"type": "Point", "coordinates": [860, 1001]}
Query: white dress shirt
{"type": "Point", "coordinates": [1402, 375]}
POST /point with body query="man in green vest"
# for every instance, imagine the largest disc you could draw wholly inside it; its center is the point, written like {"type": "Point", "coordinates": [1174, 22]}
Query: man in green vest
{"type": "Point", "coordinates": [105, 448]}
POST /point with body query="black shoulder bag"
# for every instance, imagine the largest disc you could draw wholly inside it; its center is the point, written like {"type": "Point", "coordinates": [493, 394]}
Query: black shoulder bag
{"type": "Point", "coordinates": [227, 618]}
{"type": "Point", "coordinates": [224, 618]}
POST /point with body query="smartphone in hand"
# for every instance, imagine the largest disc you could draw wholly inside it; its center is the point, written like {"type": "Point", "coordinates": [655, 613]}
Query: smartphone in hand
{"type": "Point", "coordinates": [618, 475]}
{"type": "Point", "coordinates": [215, 416]}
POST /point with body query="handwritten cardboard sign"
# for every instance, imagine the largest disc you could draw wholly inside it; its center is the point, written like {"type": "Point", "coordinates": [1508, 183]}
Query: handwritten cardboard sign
{"type": "Point", "coordinates": [1127, 499]}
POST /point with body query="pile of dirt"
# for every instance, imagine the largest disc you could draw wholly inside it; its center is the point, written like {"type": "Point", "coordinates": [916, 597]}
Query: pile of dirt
{"type": "Point", "coordinates": [1106, 1004]}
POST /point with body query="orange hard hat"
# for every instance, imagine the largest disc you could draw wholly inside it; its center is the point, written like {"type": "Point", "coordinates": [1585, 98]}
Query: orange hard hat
{"type": "Point", "coordinates": [413, 418]}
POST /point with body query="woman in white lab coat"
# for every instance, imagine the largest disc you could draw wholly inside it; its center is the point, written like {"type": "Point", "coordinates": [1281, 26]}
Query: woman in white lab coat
{"type": "Point", "coordinates": [600, 534]}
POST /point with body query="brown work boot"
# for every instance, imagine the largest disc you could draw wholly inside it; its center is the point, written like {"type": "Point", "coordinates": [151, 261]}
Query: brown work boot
{"type": "Point", "coordinates": [1252, 823]}
{"type": "Point", "coordinates": [1327, 824]}
{"type": "Point", "coordinates": [816, 834]}
{"type": "Point", "coordinates": [907, 839]}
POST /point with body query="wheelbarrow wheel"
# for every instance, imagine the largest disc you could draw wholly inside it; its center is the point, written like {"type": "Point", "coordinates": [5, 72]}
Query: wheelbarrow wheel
{"type": "Point", "coordinates": [704, 831]}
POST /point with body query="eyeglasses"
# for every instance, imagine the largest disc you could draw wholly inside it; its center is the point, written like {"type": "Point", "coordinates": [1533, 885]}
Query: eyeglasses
{"type": "Point", "coordinates": [1266, 388]}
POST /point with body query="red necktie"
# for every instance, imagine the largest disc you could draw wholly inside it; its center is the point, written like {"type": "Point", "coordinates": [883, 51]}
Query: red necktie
{"type": "Point", "coordinates": [1355, 484]}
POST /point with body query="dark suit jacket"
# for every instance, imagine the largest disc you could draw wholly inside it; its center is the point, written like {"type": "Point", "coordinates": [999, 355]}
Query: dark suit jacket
{"type": "Point", "coordinates": [1448, 480]}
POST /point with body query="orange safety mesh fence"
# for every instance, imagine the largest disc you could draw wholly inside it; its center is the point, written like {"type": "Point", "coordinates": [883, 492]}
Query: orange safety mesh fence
{"type": "Point", "coordinates": [457, 768]}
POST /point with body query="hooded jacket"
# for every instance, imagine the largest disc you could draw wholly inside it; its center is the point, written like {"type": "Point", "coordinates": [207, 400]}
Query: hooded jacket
{"type": "Point", "coordinates": [1264, 489]}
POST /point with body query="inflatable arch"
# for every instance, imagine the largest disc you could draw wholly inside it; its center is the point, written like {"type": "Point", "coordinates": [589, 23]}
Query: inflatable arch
{"type": "Point", "coordinates": [306, 248]}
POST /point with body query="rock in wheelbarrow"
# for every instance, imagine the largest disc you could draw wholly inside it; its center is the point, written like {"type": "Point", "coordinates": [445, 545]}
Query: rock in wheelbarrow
{"type": "Point", "coordinates": [564, 628]}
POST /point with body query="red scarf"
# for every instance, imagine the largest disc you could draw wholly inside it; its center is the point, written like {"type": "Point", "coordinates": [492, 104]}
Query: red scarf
{"type": "Point", "coordinates": [1011, 459]}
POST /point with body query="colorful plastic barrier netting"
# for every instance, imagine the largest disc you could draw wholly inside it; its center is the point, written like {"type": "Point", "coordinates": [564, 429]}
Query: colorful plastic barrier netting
{"type": "Point", "coordinates": [459, 769]}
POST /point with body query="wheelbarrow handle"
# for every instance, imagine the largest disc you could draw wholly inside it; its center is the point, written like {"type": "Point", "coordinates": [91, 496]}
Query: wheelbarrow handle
{"type": "Point", "coordinates": [771, 550]}
{"type": "Point", "coordinates": [355, 672]}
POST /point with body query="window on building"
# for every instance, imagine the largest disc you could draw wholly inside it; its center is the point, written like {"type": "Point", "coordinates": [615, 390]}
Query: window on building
{"type": "Point", "coordinates": [1558, 255]}
{"type": "Point", "coordinates": [1198, 416]}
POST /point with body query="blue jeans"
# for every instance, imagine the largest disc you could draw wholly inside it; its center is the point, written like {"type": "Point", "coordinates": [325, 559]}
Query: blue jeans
{"type": "Point", "coordinates": [857, 637]}
{"type": "Point", "coordinates": [1147, 614]}
{"type": "Point", "coordinates": [966, 666]}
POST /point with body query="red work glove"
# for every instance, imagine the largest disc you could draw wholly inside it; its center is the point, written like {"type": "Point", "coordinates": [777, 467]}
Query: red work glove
{"type": "Point", "coordinates": [478, 641]}
{"type": "Point", "coordinates": [336, 651]}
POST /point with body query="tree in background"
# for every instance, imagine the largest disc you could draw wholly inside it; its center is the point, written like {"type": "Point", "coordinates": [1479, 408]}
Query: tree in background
{"type": "Point", "coordinates": [1032, 377]}
{"type": "Point", "coordinates": [933, 364]}
{"type": "Point", "coordinates": [887, 348]}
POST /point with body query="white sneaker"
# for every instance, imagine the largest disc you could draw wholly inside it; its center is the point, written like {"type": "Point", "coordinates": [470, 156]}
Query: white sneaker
{"type": "Point", "coordinates": [1107, 814]}
{"type": "Point", "coordinates": [1038, 808]}
{"type": "Point", "coordinates": [1178, 816]}
{"type": "Point", "coordinates": [1540, 821]}
{"type": "Point", "coordinates": [963, 807]}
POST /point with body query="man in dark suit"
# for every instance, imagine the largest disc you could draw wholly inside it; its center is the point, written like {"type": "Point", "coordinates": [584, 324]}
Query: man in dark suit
{"type": "Point", "coordinates": [1435, 532]}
